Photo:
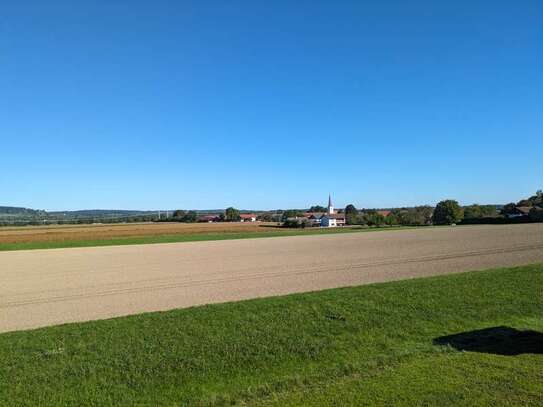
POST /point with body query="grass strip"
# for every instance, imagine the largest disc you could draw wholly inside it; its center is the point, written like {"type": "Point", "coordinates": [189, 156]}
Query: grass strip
{"type": "Point", "coordinates": [380, 344]}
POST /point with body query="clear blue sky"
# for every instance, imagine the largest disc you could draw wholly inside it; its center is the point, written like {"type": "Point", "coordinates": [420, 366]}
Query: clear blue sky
{"type": "Point", "coordinates": [269, 104]}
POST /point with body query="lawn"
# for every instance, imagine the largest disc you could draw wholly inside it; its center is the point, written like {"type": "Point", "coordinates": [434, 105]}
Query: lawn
{"type": "Point", "coordinates": [183, 237]}
{"type": "Point", "coordinates": [465, 339]}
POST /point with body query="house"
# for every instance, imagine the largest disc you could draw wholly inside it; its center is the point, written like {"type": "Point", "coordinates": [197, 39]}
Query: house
{"type": "Point", "coordinates": [524, 210]}
{"type": "Point", "coordinates": [247, 217]}
{"type": "Point", "coordinates": [208, 218]}
{"type": "Point", "coordinates": [332, 219]}
{"type": "Point", "coordinates": [384, 213]}
{"type": "Point", "coordinates": [519, 211]}
{"type": "Point", "coordinates": [314, 218]}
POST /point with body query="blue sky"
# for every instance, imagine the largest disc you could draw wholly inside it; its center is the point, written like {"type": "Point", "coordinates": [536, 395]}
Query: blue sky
{"type": "Point", "coordinates": [269, 104]}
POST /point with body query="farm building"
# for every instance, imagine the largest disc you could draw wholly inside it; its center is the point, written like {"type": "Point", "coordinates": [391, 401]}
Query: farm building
{"type": "Point", "coordinates": [209, 218]}
{"type": "Point", "coordinates": [248, 217]}
{"type": "Point", "coordinates": [519, 212]}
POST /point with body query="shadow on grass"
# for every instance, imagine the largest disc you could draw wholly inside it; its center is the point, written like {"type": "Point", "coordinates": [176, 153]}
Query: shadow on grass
{"type": "Point", "coordinates": [500, 340]}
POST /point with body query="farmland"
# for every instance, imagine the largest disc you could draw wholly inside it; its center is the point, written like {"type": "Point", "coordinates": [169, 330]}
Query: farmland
{"type": "Point", "coordinates": [465, 339]}
{"type": "Point", "coordinates": [49, 237]}
{"type": "Point", "coordinates": [46, 287]}
{"type": "Point", "coordinates": [31, 234]}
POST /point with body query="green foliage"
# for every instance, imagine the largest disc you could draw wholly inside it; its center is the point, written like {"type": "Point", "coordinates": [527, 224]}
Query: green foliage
{"type": "Point", "coordinates": [179, 214]}
{"type": "Point", "coordinates": [182, 216]}
{"type": "Point", "coordinates": [231, 215]}
{"type": "Point", "coordinates": [508, 209]}
{"type": "Point", "coordinates": [191, 216]}
{"type": "Point", "coordinates": [351, 215]}
{"type": "Point", "coordinates": [351, 210]}
{"type": "Point", "coordinates": [296, 223]}
{"type": "Point", "coordinates": [537, 199]}
{"type": "Point", "coordinates": [472, 211]}
{"type": "Point", "coordinates": [476, 211]}
{"type": "Point", "coordinates": [266, 217]}
{"type": "Point", "coordinates": [367, 345]}
{"type": "Point", "coordinates": [372, 218]}
{"type": "Point", "coordinates": [447, 212]}
{"type": "Point", "coordinates": [417, 216]}
{"type": "Point", "coordinates": [317, 208]}
{"type": "Point", "coordinates": [392, 219]}
{"type": "Point", "coordinates": [536, 214]}
{"type": "Point", "coordinates": [291, 213]}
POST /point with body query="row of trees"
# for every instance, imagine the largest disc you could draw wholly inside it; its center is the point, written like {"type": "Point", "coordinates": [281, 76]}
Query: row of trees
{"type": "Point", "coordinates": [183, 216]}
{"type": "Point", "coordinates": [229, 215]}
{"type": "Point", "coordinates": [446, 212]}
{"type": "Point", "coordinates": [417, 216]}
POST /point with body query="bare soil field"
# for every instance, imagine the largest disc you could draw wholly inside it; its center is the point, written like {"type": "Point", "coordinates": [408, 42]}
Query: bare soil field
{"type": "Point", "coordinates": [46, 287]}
{"type": "Point", "coordinates": [30, 234]}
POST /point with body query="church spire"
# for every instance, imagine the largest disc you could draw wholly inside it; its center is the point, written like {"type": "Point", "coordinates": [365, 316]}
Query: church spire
{"type": "Point", "coordinates": [330, 206]}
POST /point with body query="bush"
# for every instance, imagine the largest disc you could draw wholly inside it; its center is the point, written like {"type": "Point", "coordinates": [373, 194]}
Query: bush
{"type": "Point", "coordinates": [296, 223]}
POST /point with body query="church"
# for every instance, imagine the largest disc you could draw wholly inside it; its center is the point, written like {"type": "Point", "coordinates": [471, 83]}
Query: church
{"type": "Point", "coordinates": [331, 219]}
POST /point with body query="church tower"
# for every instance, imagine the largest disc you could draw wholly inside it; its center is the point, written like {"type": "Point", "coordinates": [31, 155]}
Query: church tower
{"type": "Point", "coordinates": [330, 206]}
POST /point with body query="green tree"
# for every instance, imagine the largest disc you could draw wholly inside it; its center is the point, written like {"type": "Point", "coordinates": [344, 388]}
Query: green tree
{"type": "Point", "coordinates": [179, 214]}
{"type": "Point", "coordinates": [447, 212]}
{"type": "Point", "coordinates": [374, 219]}
{"type": "Point", "coordinates": [392, 219]}
{"type": "Point", "coordinates": [424, 214]}
{"type": "Point", "coordinates": [231, 214]}
{"type": "Point", "coordinates": [508, 209]}
{"type": "Point", "coordinates": [266, 217]}
{"type": "Point", "coordinates": [351, 210]}
{"type": "Point", "coordinates": [190, 216]}
{"type": "Point", "coordinates": [317, 208]}
{"type": "Point", "coordinates": [536, 214]}
{"type": "Point", "coordinates": [473, 211]}
{"type": "Point", "coordinates": [479, 211]}
{"type": "Point", "coordinates": [351, 215]}
{"type": "Point", "coordinates": [538, 199]}
{"type": "Point", "coordinates": [291, 213]}
{"type": "Point", "coordinates": [488, 211]}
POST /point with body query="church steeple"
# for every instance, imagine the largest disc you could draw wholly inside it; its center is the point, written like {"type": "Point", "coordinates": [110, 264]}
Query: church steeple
{"type": "Point", "coordinates": [330, 205]}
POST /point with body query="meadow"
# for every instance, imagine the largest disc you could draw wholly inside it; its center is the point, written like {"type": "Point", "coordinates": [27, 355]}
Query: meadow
{"type": "Point", "coordinates": [469, 339]}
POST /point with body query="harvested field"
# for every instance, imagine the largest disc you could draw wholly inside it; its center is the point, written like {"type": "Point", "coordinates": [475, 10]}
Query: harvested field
{"type": "Point", "coordinates": [46, 287]}
{"type": "Point", "coordinates": [32, 234]}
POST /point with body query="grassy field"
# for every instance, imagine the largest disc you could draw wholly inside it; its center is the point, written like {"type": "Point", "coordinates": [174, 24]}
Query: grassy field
{"type": "Point", "coordinates": [30, 239]}
{"type": "Point", "coordinates": [462, 339]}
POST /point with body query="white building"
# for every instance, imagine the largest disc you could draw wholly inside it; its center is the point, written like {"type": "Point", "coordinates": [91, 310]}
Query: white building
{"type": "Point", "coordinates": [331, 219]}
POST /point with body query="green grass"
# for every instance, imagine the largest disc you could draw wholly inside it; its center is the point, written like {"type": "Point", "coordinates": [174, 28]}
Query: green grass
{"type": "Point", "coordinates": [368, 345]}
{"type": "Point", "coordinates": [186, 237]}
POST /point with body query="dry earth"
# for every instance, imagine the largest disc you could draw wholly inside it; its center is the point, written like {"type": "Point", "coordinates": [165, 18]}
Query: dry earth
{"type": "Point", "coordinates": [58, 233]}
{"type": "Point", "coordinates": [46, 287]}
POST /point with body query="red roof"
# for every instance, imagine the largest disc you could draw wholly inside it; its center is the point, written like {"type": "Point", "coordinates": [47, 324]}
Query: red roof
{"type": "Point", "coordinates": [247, 215]}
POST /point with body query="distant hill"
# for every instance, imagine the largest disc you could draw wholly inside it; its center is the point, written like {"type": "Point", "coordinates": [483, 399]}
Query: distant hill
{"type": "Point", "coordinates": [15, 210]}
{"type": "Point", "coordinates": [89, 213]}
